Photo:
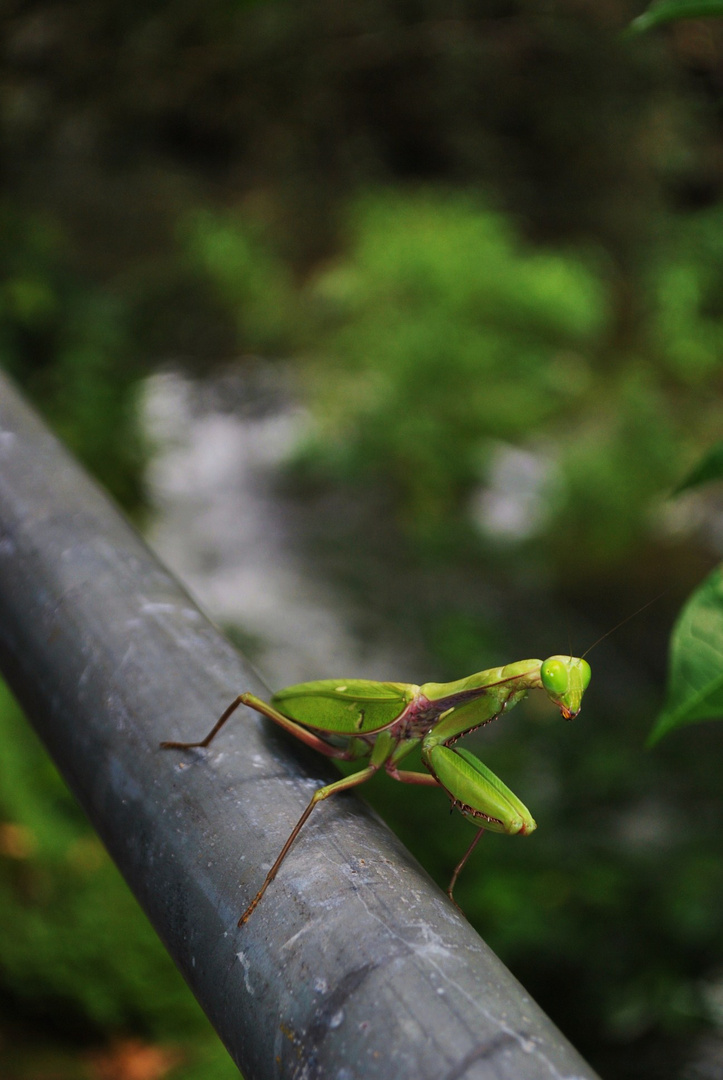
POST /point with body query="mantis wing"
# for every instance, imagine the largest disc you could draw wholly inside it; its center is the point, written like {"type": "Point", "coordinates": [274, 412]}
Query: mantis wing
{"type": "Point", "coordinates": [344, 706]}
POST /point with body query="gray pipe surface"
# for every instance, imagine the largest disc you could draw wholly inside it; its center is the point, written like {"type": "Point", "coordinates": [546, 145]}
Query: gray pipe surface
{"type": "Point", "coordinates": [354, 966]}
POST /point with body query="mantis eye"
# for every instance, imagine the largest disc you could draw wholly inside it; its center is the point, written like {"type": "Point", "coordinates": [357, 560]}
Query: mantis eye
{"type": "Point", "coordinates": [555, 676]}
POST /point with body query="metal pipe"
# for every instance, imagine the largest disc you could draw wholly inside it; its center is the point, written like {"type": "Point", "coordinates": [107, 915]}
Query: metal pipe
{"type": "Point", "coordinates": [354, 965]}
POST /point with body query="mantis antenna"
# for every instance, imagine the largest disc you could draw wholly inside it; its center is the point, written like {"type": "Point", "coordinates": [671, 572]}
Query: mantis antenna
{"type": "Point", "coordinates": [625, 620]}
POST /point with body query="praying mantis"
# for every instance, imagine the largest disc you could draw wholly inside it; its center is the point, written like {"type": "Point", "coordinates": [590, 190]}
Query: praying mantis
{"type": "Point", "coordinates": [353, 719]}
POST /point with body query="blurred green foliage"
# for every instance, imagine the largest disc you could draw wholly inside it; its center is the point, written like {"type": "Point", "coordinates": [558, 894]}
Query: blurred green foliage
{"type": "Point", "coordinates": [439, 337]}
{"type": "Point", "coordinates": [69, 343]}
{"type": "Point", "coordinates": [253, 281]}
{"type": "Point", "coordinates": [447, 334]}
{"type": "Point", "coordinates": [709, 468]}
{"type": "Point", "coordinates": [441, 333]}
{"type": "Point", "coordinates": [665, 11]}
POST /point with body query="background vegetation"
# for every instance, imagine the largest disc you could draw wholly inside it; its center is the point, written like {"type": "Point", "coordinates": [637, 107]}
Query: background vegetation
{"type": "Point", "coordinates": [488, 238]}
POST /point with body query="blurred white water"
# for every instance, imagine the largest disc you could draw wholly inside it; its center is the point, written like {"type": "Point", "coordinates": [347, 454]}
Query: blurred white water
{"type": "Point", "coordinates": [220, 527]}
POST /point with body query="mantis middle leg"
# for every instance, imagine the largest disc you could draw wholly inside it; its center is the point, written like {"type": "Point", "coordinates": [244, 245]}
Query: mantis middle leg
{"type": "Point", "coordinates": [321, 793]}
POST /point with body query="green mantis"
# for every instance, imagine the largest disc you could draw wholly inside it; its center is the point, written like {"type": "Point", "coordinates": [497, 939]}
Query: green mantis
{"type": "Point", "coordinates": [353, 719]}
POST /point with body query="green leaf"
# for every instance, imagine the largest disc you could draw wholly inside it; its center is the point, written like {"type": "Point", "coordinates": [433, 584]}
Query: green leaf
{"type": "Point", "coordinates": [695, 681]}
{"type": "Point", "coordinates": [710, 467]}
{"type": "Point", "coordinates": [663, 11]}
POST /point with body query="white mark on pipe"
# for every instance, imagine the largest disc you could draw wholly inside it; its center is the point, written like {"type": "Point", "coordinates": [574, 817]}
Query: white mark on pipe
{"type": "Point", "coordinates": [246, 965]}
{"type": "Point", "coordinates": [157, 607]}
{"type": "Point", "coordinates": [296, 936]}
{"type": "Point", "coordinates": [337, 1019]}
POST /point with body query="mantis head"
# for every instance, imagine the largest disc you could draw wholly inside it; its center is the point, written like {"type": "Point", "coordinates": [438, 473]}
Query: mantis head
{"type": "Point", "coordinates": [566, 678]}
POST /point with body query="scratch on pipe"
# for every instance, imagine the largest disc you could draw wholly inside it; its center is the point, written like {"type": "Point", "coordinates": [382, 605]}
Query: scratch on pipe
{"type": "Point", "coordinates": [246, 965]}
{"type": "Point", "coordinates": [294, 937]}
{"type": "Point", "coordinates": [487, 1049]}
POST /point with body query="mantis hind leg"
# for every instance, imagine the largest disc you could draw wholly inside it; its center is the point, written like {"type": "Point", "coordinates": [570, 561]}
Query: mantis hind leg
{"type": "Point", "coordinates": [265, 709]}
{"type": "Point", "coordinates": [410, 777]}
{"type": "Point", "coordinates": [458, 868]}
{"type": "Point", "coordinates": [320, 794]}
